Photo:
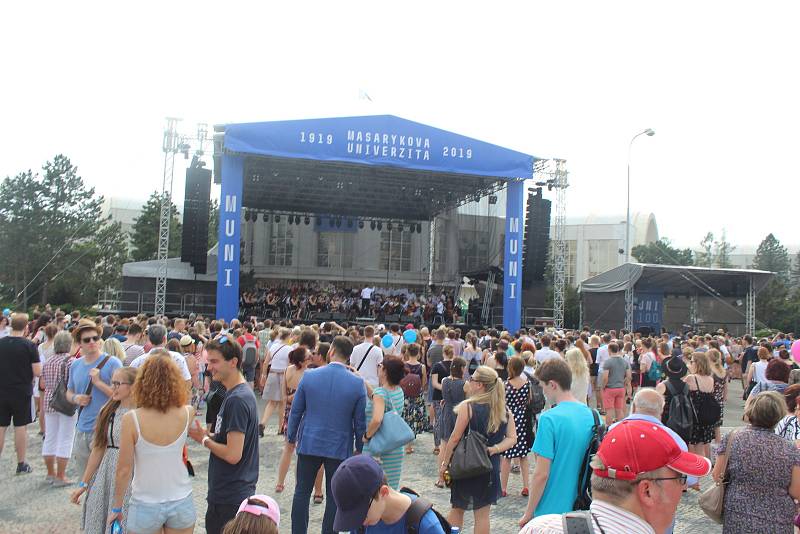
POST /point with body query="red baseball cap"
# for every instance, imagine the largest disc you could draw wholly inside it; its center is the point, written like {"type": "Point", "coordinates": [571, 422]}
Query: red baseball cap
{"type": "Point", "coordinates": [633, 447]}
{"type": "Point", "coordinates": [409, 326]}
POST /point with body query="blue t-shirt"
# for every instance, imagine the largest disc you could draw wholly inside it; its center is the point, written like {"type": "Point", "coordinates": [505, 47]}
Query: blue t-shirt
{"type": "Point", "coordinates": [79, 383]}
{"type": "Point", "coordinates": [429, 524]}
{"type": "Point", "coordinates": [563, 437]}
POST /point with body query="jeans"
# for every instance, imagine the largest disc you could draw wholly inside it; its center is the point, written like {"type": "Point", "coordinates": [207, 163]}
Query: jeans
{"type": "Point", "coordinates": [148, 518]}
{"type": "Point", "coordinates": [81, 451]}
{"type": "Point", "coordinates": [307, 467]}
{"type": "Point", "coordinates": [218, 515]}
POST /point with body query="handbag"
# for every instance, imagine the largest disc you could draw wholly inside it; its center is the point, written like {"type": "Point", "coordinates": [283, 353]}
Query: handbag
{"type": "Point", "coordinates": [59, 401]}
{"type": "Point", "coordinates": [470, 456]}
{"type": "Point", "coordinates": [393, 433]}
{"type": "Point", "coordinates": [711, 501]}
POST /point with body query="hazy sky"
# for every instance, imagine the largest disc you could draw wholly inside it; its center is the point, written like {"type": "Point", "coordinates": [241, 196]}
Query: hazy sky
{"type": "Point", "coordinates": [718, 81]}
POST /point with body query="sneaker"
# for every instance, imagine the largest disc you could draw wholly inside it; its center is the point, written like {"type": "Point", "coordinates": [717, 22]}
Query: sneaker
{"type": "Point", "coordinates": [24, 468]}
{"type": "Point", "coordinates": [261, 429]}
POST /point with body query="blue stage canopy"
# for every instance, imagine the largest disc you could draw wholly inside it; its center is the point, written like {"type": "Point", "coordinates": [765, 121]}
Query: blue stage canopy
{"type": "Point", "coordinates": [381, 140]}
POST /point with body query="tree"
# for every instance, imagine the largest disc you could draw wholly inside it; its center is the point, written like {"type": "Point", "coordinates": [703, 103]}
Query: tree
{"type": "Point", "coordinates": [773, 304]}
{"type": "Point", "coordinates": [772, 256]}
{"type": "Point", "coordinates": [144, 236]}
{"type": "Point", "coordinates": [796, 274]}
{"type": "Point", "coordinates": [705, 258]}
{"type": "Point", "coordinates": [722, 252]}
{"type": "Point", "coordinates": [662, 252]}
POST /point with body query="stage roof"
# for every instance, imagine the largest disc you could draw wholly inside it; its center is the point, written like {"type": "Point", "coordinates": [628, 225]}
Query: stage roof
{"type": "Point", "coordinates": [377, 167]}
{"type": "Point", "coordinates": [676, 280]}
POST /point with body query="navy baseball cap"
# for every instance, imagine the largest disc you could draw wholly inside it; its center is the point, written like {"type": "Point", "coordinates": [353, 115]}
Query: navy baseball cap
{"type": "Point", "coordinates": [353, 486]}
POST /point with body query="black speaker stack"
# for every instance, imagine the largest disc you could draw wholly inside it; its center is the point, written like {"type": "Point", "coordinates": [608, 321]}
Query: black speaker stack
{"type": "Point", "coordinates": [537, 238]}
{"type": "Point", "coordinates": [196, 207]}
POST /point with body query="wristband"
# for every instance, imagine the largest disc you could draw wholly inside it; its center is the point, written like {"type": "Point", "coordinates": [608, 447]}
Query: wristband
{"type": "Point", "coordinates": [82, 484]}
{"type": "Point", "coordinates": [203, 441]}
{"type": "Point", "coordinates": [116, 510]}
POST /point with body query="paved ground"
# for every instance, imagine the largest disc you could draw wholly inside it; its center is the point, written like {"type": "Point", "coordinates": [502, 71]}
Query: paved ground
{"type": "Point", "coordinates": [28, 506]}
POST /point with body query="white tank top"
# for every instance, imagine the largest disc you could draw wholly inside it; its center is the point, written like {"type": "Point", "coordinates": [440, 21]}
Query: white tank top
{"type": "Point", "coordinates": [159, 474]}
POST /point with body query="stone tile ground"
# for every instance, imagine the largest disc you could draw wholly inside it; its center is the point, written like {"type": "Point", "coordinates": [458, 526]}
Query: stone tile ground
{"type": "Point", "coordinates": [29, 506]}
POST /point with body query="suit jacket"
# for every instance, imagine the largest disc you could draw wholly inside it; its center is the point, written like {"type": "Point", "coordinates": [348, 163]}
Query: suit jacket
{"type": "Point", "coordinates": [328, 413]}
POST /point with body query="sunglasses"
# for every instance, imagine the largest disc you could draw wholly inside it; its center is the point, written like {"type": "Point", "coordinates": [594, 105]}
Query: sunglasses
{"type": "Point", "coordinates": [115, 384]}
{"type": "Point", "coordinates": [92, 339]}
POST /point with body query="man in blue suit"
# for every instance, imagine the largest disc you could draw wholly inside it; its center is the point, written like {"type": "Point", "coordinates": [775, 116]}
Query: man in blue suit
{"type": "Point", "coordinates": [327, 423]}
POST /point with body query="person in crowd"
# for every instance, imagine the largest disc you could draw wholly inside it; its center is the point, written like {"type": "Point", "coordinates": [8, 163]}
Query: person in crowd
{"type": "Point", "coordinates": [388, 397]}
{"type": "Point", "coordinates": [258, 514]}
{"type": "Point", "coordinates": [45, 349]}
{"type": "Point", "coordinates": [776, 378]}
{"type": "Point", "coordinates": [789, 426]}
{"type": "Point", "coordinates": [757, 372]}
{"type": "Point", "coordinates": [438, 373]}
{"type": "Point", "coordinates": [134, 343]}
{"type": "Point", "coordinates": [157, 335]}
{"type": "Point", "coordinates": [594, 370]}
{"type": "Point", "coordinates": [472, 353]}
{"type": "Point", "coordinates": [639, 474]}
{"type": "Point", "coordinates": [453, 393]}
{"type": "Point", "coordinates": [99, 478]}
{"type": "Point", "coordinates": [649, 364]}
{"type": "Point", "coordinates": [433, 354]}
{"type": "Point", "coordinates": [57, 446]}
{"type": "Point", "coordinates": [517, 401]}
{"type": "Point", "coordinates": [151, 452]}
{"type": "Point", "coordinates": [701, 384]}
{"type": "Point", "coordinates": [561, 441]}
{"type": "Point", "coordinates": [763, 470]}
{"type": "Point", "coordinates": [299, 359]}
{"type": "Point", "coordinates": [545, 353]}
{"type": "Point", "coordinates": [19, 364]}
{"type": "Point", "coordinates": [330, 431]}
{"type": "Point", "coordinates": [249, 369]}
{"type": "Point", "coordinates": [367, 358]}
{"type": "Point", "coordinates": [89, 386]}
{"type": "Point", "coordinates": [274, 378]}
{"type": "Point", "coordinates": [233, 446]}
{"type": "Point", "coordinates": [616, 384]}
{"type": "Point", "coordinates": [720, 376]}
{"type": "Point", "coordinates": [187, 348]}
{"type": "Point", "coordinates": [414, 412]}
{"type": "Point", "coordinates": [113, 347]}
{"type": "Point", "coordinates": [484, 411]}
{"type": "Point", "coordinates": [366, 502]}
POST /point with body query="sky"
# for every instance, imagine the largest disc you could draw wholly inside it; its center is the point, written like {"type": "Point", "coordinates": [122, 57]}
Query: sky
{"type": "Point", "coordinates": [717, 81]}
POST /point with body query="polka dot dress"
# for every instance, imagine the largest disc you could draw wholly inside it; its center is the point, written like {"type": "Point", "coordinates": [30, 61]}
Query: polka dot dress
{"type": "Point", "coordinates": [517, 403]}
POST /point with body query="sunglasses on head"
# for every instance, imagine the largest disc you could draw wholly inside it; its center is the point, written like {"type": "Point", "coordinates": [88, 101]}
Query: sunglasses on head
{"type": "Point", "coordinates": [90, 339]}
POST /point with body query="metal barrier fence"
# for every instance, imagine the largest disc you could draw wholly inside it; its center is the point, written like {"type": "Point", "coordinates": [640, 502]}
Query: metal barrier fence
{"type": "Point", "coordinates": [134, 302]}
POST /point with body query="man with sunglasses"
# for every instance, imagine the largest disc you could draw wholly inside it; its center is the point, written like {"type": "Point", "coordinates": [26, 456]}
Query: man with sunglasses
{"type": "Point", "coordinates": [639, 474]}
{"type": "Point", "coordinates": [89, 386]}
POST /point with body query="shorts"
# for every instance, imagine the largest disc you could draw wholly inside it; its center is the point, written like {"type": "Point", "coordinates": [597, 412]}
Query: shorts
{"type": "Point", "coordinates": [614, 399]}
{"type": "Point", "coordinates": [249, 373]}
{"type": "Point", "coordinates": [148, 518]}
{"type": "Point", "coordinates": [273, 390]}
{"type": "Point", "coordinates": [17, 409]}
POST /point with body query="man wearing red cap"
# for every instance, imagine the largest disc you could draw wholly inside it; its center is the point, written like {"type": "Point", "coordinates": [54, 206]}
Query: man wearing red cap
{"type": "Point", "coordinates": [639, 476]}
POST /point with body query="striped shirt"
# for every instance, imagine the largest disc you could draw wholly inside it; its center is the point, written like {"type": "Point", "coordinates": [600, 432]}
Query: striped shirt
{"type": "Point", "coordinates": [612, 519]}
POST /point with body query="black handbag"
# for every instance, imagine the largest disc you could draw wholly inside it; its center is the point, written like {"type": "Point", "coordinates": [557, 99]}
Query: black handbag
{"type": "Point", "coordinates": [59, 401]}
{"type": "Point", "coordinates": [470, 457]}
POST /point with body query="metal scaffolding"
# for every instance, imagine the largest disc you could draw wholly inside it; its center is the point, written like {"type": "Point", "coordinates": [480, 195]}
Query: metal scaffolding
{"type": "Point", "coordinates": [170, 148]}
{"type": "Point", "coordinates": [560, 183]}
{"type": "Point", "coordinates": [750, 308]}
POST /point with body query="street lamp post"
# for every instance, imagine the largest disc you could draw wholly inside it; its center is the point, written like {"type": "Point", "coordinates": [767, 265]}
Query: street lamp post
{"type": "Point", "coordinates": [649, 132]}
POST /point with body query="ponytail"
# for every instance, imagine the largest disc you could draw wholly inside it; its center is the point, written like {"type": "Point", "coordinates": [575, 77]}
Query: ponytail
{"type": "Point", "coordinates": [494, 395]}
{"type": "Point", "coordinates": [101, 425]}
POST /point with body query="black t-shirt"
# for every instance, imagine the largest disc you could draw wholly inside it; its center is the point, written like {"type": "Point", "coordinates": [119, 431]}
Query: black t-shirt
{"type": "Point", "coordinates": [594, 367]}
{"type": "Point", "coordinates": [440, 370]}
{"type": "Point", "coordinates": [231, 484]}
{"type": "Point", "coordinates": [325, 338]}
{"type": "Point", "coordinates": [16, 374]}
{"type": "Point", "coordinates": [750, 355]}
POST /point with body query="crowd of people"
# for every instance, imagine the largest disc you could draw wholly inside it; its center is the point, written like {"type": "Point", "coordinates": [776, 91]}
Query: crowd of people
{"type": "Point", "coordinates": [304, 301]}
{"type": "Point", "coordinates": [619, 425]}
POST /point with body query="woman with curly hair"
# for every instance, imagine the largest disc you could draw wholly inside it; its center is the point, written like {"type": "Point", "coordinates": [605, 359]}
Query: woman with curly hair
{"type": "Point", "coordinates": [153, 436]}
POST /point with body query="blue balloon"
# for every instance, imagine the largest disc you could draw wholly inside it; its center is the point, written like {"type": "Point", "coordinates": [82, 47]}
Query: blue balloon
{"type": "Point", "coordinates": [387, 340]}
{"type": "Point", "coordinates": [410, 336]}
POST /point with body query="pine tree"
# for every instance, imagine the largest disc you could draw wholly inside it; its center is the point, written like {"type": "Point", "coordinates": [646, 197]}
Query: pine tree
{"type": "Point", "coordinates": [144, 236]}
{"type": "Point", "coordinates": [705, 257]}
{"type": "Point", "coordinates": [772, 256]}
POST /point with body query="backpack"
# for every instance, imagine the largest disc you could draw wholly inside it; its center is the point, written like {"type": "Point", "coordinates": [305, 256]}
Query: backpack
{"type": "Point", "coordinates": [536, 400]}
{"type": "Point", "coordinates": [419, 507]}
{"type": "Point", "coordinates": [654, 373]}
{"type": "Point", "coordinates": [681, 415]}
{"type": "Point", "coordinates": [584, 498]}
{"type": "Point", "coordinates": [707, 409]}
{"type": "Point", "coordinates": [411, 384]}
{"type": "Point", "coordinates": [249, 352]}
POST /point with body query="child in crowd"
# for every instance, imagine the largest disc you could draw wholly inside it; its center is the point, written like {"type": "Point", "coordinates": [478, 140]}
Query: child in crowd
{"type": "Point", "coordinates": [258, 514]}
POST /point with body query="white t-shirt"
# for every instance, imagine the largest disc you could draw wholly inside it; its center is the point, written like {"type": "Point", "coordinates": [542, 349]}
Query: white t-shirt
{"type": "Point", "coordinates": [602, 355]}
{"type": "Point", "coordinates": [369, 369]}
{"type": "Point", "coordinates": [546, 353]}
{"type": "Point", "coordinates": [280, 356]}
{"type": "Point", "coordinates": [178, 358]}
{"type": "Point", "coordinates": [366, 293]}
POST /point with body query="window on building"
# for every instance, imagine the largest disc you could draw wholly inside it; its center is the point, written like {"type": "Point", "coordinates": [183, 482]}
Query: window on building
{"type": "Point", "coordinates": [281, 244]}
{"type": "Point", "coordinates": [395, 250]}
{"type": "Point", "coordinates": [603, 254]}
{"type": "Point", "coordinates": [473, 249]}
{"type": "Point", "coordinates": [570, 259]}
{"type": "Point", "coordinates": [335, 250]}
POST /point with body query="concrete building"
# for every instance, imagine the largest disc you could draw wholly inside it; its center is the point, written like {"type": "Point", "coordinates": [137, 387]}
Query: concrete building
{"type": "Point", "coordinates": [122, 210]}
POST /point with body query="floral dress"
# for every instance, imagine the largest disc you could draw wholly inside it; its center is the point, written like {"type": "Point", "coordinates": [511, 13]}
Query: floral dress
{"type": "Point", "coordinates": [414, 412]}
{"type": "Point", "coordinates": [719, 392]}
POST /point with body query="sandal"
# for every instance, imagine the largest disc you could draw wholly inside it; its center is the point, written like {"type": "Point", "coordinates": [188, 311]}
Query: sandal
{"type": "Point", "coordinates": [439, 484]}
{"type": "Point", "coordinates": [524, 492]}
{"type": "Point", "coordinates": [318, 499]}
{"type": "Point", "coordinates": [409, 450]}
{"type": "Point", "coordinates": [436, 450]}
{"type": "Point", "coordinates": [279, 488]}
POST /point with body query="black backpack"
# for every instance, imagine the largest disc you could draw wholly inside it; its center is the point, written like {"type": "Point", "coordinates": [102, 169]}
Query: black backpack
{"type": "Point", "coordinates": [537, 400]}
{"type": "Point", "coordinates": [584, 498]}
{"type": "Point", "coordinates": [419, 507]}
{"type": "Point", "coordinates": [681, 415]}
{"type": "Point", "coordinates": [707, 409]}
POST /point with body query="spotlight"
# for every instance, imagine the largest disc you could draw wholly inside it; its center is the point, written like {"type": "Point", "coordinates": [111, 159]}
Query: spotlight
{"type": "Point", "coordinates": [349, 223]}
{"type": "Point", "coordinates": [361, 225]}
{"type": "Point", "coordinates": [372, 225]}
{"type": "Point", "coordinates": [307, 220]}
{"type": "Point", "coordinates": [380, 226]}
{"type": "Point", "coordinates": [247, 216]}
{"type": "Point", "coordinates": [297, 219]}
{"type": "Point", "coordinates": [389, 226]}
{"type": "Point", "coordinates": [277, 218]}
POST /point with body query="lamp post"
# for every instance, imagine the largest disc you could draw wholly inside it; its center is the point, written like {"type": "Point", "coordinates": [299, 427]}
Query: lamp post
{"type": "Point", "coordinates": [649, 132]}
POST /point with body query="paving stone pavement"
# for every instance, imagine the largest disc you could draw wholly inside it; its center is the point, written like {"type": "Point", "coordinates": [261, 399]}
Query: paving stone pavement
{"type": "Point", "coordinates": [29, 506]}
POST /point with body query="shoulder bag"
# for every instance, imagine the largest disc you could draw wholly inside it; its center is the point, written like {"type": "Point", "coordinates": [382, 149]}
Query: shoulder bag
{"type": "Point", "coordinates": [712, 500]}
{"type": "Point", "coordinates": [470, 457]}
{"type": "Point", "coordinates": [393, 433]}
{"type": "Point", "coordinates": [91, 384]}
{"type": "Point", "coordinates": [59, 401]}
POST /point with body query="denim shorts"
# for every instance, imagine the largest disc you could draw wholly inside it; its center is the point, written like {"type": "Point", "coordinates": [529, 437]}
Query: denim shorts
{"type": "Point", "coordinates": [148, 518]}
